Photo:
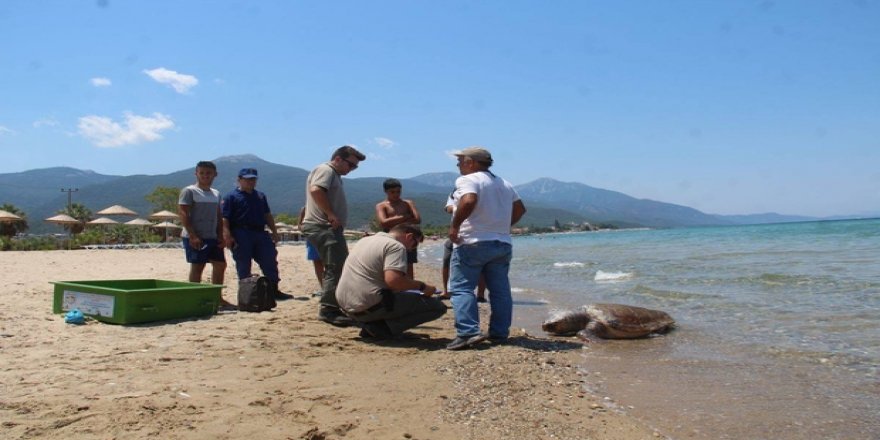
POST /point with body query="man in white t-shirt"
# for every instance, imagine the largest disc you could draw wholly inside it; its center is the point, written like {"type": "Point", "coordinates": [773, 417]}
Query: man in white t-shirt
{"type": "Point", "coordinates": [486, 207]}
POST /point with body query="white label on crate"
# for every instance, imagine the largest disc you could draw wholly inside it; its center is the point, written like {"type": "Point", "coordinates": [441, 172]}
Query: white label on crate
{"type": "Point", "coordinates": [88, 303]}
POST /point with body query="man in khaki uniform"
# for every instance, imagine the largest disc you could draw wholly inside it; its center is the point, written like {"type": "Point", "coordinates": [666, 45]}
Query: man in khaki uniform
{"type": "Point", "coordinates": [375, 290]}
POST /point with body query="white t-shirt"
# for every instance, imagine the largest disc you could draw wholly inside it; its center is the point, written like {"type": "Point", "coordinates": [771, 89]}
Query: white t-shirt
{"type": "Point", "coordinates": [490, 219]}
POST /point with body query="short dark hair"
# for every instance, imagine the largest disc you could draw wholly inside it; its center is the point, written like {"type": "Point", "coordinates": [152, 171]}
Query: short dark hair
{"type": "Point", "coordinates": [345, 151]}
{"type": "Point", "coordinates": [391, 183]}
{"type": "Point", "coordinates": [206, 164]}
{"type": "Point", "coordinates": [409, 228]}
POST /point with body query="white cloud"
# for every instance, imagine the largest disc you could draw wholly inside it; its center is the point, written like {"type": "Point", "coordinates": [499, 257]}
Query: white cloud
{"type": "Point", "coordinates": [385, 142]}
{"type": "Point", "coordinates": [104, 132]}
{"type": "Point", "coordinates": [5, 130]}
{"type": "Point", "coordinates": [45, 122]}
{"type": "Point", "coordinates": [101, 82]}
{"type": "Point", "coordinates": [179, 81]}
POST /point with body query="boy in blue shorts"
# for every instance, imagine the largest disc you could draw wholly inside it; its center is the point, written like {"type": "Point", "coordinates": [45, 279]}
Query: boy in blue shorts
{"type": "Point", "coordinates": [199, 211]}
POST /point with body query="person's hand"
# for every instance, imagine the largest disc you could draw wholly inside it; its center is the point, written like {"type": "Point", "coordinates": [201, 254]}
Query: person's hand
{"type": "Point", "coordinates": [230, 242]}
{"type": "Point", "coordinates": [275, 237]}
{"type": "Point", "coordinates": [429, 291]}
{"type": "Point", "coordinates": [334, 221]}
{"type": "Point", "coordinates": [195, 242]}
{"type": "Point", "coordinates": [453, 234]}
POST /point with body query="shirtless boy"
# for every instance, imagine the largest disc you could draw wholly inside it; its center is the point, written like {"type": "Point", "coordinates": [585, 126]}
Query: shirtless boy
{"type": "Point", "coordinates": [394, 211]}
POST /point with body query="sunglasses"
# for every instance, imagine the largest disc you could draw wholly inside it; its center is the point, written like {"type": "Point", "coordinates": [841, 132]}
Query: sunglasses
{"type": "Point", "coordinates": [352, 165]}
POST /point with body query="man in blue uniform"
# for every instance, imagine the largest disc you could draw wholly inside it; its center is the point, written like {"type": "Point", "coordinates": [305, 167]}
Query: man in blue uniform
{"type": "Point", "coordinates": [245, 217]}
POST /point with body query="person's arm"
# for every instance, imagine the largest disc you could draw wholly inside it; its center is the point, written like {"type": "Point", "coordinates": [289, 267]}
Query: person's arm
{"type": "Point", "coordinates": [270, 221]}
{"type": "Point", "coordinates": [319, 196]}
{"type": "Point", "coordinates": [415, 217]}
{"type": "Point", "coordinates": [227, 234]}
{"type": "Point", "coordinates": [385, 222]}
{"type": "Point", "coordinates": [398, 281]}
{"type": "Point", "coordinates": [464, 210]}
{"type": "Point", "coordinates": [519, 208]}
{"type": "Point", "coordinates": [183, 211]}
{"type": "Point", "coordinates": [220, 240]}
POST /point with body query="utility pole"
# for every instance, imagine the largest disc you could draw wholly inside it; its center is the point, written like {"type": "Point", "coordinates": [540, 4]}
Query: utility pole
{"type": "Point", "coordinates": [69, 191]}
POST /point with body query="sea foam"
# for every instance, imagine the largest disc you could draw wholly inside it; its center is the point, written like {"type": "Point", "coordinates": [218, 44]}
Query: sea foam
{"type": "Point", "coordinates": [568, 264]}
{"type": "Point", "coordinates": [611, 276]}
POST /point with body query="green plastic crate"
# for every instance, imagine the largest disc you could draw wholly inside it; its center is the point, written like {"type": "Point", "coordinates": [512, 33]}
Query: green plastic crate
{"type": "Point", "coordinates": [134, 301]}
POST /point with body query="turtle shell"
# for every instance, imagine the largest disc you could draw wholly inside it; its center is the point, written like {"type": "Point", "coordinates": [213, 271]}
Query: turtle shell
{"type": "Point", "coordinates": [618, 321]}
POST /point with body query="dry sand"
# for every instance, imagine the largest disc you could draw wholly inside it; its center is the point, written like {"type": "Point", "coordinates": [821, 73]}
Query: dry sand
{"type": "Point", "coordinates": [275, 375]}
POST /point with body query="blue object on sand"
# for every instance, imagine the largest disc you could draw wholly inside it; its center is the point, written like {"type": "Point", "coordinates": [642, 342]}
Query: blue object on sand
{"type": "Point", "coordinates": [74, 316]}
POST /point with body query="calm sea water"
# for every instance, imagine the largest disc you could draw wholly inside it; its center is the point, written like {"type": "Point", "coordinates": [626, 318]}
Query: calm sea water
{"type": "Point", "coordinates": [778, 325]}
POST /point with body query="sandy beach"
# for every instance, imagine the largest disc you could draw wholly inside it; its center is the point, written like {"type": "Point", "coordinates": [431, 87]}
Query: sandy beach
{"type": "Point", "coordinates": [276, 375]}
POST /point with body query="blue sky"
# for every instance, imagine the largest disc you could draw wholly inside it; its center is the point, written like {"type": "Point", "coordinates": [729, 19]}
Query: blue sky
{"type": "Point", "coordinates": [730, 107]}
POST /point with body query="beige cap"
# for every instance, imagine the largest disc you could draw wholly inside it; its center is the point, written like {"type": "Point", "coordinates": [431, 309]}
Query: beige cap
{"type": "Point", "coordinates": [478, 154]}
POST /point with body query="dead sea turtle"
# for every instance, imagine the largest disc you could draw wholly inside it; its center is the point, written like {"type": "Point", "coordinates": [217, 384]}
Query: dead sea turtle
{"type": "Point", "coordinates": [609, 321]}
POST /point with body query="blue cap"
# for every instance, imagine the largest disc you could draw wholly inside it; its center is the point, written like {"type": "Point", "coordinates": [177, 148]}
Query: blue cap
{"type": "Point", "coordinates": [248, 173]}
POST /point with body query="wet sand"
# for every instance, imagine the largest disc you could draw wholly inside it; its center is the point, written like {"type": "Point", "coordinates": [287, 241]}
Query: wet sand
{"type": "Point", "coordinates": [278, 375]}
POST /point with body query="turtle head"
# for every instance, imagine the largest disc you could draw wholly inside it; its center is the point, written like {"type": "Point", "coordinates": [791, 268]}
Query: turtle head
{"type": "Point", "coordinates": [565, 322]}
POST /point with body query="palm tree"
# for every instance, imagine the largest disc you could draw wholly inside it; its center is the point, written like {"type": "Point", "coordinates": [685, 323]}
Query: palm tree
{"type": "Point", "coordinates": [8, 229]}
{"type": "Point", "coordinates": [79, 212]}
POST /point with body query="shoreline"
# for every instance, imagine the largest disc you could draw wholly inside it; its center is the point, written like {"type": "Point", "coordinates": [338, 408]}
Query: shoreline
{"type": "Point", "coordinates": [282, 374]}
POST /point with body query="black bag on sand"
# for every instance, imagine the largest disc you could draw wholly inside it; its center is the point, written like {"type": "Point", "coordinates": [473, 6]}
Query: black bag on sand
{"type": "Point", "coordinates": [256, 294]}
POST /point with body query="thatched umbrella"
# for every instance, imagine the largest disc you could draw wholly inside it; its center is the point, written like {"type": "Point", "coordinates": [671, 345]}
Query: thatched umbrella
{"type": "Point", "coordinates": [64, 220]}
{"type": "Point", "coordinates": [163, 215]}
{"type": "Point", "coordinates": [166, 225]}
{"type": "Point", "coordinates": [8, 217]}
{"type": "Point", "coordinates": [140, 223]}
{"type": "Point", "coordinates": [117, 210]}
{"type": "Point", "coordinates": [103, 222]}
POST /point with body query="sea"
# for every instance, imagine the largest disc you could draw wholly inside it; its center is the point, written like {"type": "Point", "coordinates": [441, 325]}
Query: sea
{"type": "Point", "coordinates": [777, 326]}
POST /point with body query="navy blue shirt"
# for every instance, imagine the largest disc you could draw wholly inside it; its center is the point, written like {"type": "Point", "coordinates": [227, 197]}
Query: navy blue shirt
{"type": "Point", "coordinates": [245, 210]}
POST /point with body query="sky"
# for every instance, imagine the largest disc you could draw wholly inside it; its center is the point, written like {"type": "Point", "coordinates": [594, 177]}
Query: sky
{"type": "Point", "coordinates": [729, 107]}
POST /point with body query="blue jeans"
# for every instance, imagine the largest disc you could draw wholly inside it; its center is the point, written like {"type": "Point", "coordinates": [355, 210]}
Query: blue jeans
{"type": "Point", "coordinates": [492, 259]}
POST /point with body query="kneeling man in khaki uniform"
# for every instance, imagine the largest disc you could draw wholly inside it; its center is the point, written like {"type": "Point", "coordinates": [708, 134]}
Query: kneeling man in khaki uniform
{"type": "Point", "coordinates": [375, 290]}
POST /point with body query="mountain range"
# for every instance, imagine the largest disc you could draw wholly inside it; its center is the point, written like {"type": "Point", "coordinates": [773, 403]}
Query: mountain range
{"type": "Point", "coordinates": [40, 193]}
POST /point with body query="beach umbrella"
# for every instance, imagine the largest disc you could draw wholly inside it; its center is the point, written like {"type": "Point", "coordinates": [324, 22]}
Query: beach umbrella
{"type": "Point", "coordinates": [163, 215]}
{"type": "Point", "coordinates": [116, 210]}
{"type": "Point", "coordinates": [102, 221]}
{"type": "Point", "coordinates": [141, 224]}
{"type": "Point", "coordinates": [8, 217]}
{"type": "Point", "coordinates": [285, 230]}
{"type": "Point", "coordinates": [166, 225]}
{"type": "Point", "coordinates": [63, 220]}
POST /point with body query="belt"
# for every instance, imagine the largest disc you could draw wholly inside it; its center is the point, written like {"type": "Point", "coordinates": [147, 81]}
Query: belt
{"type": "Point", "coordinates": [374, 308]}
{"type": "Point", "coordinates": [386, 303]}
{"type": "Point", "coordinates": [249, 228]}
